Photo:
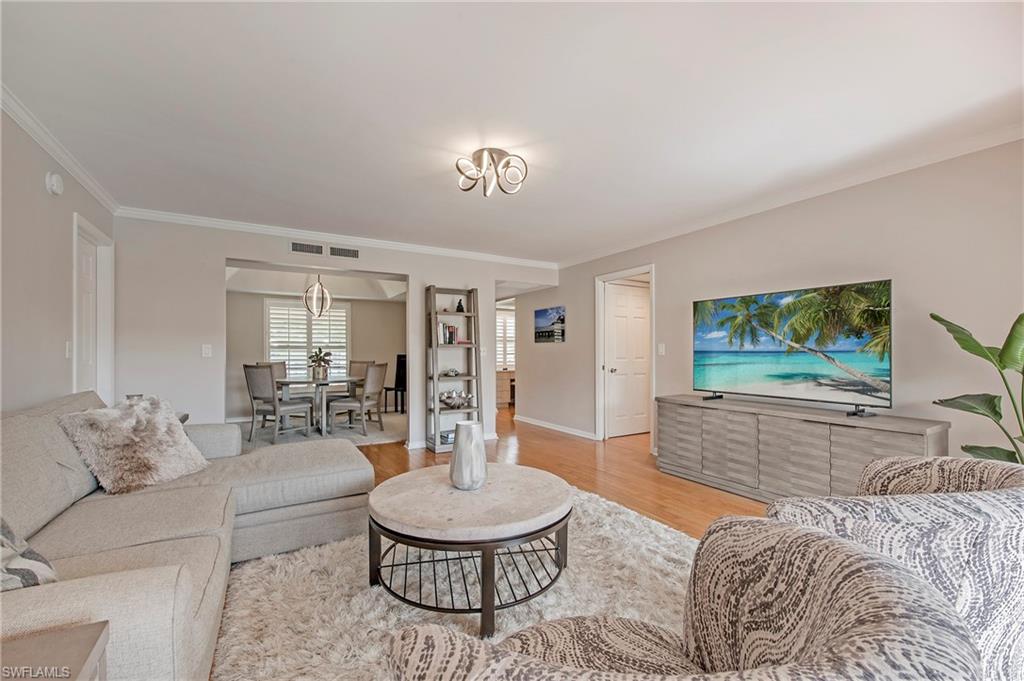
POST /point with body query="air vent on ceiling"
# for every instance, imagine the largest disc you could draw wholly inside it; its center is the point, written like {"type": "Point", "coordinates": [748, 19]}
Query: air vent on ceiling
{"type": "Point", "coordinates": [340, 252]}
{"type": "Point", "coordinates": [307, 249]}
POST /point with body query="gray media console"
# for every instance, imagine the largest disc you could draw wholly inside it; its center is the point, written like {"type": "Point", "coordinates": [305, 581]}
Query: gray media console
{"type": "Point", "coordinates": [766, 451]}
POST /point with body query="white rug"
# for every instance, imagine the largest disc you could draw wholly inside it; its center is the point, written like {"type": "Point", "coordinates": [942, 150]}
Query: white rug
{"type": "Point", "coordinates": [310, 614]}
{"type": "Point", "coordinates": [396, 429]}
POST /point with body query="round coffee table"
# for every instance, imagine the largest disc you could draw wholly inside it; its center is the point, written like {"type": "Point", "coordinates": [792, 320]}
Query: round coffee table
{"type": "Point", "coordinates": [469, 552]}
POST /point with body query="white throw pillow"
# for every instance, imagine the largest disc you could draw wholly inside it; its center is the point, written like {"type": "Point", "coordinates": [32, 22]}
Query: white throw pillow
{"type": "Point", "coordinates": [22, 566]}
{"type": "Point", "coordinates": [133, 445]}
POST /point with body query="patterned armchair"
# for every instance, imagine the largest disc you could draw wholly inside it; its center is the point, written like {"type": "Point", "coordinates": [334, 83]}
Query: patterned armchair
{"type": "Point", "coordinates": [958, 523]}
{"type": "Point", "coordinates": [767, 601]}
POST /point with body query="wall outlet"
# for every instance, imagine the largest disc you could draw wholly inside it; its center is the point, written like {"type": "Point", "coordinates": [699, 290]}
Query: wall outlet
{"type": "Point", "coordinates": [661, 349]}
{"type": "Point", "coordinates": [207, 350]}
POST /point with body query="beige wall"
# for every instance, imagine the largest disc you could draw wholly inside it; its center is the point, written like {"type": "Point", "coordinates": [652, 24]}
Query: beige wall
{"type": "Point", "coordinates": [36, 245]}
{"type": "Point", "coordinates": [377, 333]}
{"type": "Point", "coordinates": [171, 299]}
{"type": "Point", "coordinates": [948, 234]}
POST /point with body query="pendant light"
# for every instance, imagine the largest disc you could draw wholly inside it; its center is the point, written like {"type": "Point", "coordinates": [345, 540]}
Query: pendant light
{"type": "Point", "coordinates": [317, 299]}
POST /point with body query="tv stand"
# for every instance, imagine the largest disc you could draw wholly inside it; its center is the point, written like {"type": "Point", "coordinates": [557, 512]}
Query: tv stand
{"type": "Point", "coordinates": [860, 412]}
{"type": "Point", "coordinates": [713, 396]}
{"type": "Point", "coordinates": [768, 450]}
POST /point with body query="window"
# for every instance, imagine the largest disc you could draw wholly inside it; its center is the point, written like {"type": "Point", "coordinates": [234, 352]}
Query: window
{"type": "Point", "coordinates": [292, 335]}
{"type": "Point", "coordinates": [505, 356]}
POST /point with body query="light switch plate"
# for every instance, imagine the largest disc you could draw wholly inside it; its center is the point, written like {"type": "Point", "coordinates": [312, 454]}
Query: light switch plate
{"type": "Point", "coordinates": [661, 349]}
{"type": "Point", "coordinates": [207, 350]}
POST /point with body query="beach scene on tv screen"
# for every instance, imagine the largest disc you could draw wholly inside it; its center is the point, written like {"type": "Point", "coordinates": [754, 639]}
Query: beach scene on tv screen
{"type": "Point", "coordinates": [830, 344]}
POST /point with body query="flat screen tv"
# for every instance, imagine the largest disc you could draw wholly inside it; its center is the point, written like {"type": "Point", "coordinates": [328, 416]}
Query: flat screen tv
{"type": "Point", "coordinates": [824, 344]}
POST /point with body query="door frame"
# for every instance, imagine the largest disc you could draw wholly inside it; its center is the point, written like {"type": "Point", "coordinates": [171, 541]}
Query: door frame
{"type": "Point", "coordinates": [82, 228]}
{"type": "Point", "coordinates": [600, 281]}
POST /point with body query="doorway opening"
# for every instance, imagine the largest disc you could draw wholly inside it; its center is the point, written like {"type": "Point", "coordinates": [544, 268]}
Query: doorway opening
{"type": "Point", "coordinates": [364, 327]}
{"type": "Point", "coordinates": [624, 372]}
{"type": "Point", "coordinates": [92, 345]}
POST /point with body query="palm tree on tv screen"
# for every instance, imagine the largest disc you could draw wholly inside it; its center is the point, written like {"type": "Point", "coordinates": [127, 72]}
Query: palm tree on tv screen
{"type": "Point", "coordinates": [814, 320]}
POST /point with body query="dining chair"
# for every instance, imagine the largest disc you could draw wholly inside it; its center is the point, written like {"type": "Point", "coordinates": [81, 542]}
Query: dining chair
{"type": "Point", "coordinates": [399, 386]}
{"type": "Point", "coordinates": [363, 403]}
{"type": "Point", "coordinates": [265, 401]}
{"type": "Point", "coordinates": [356, 369]}
{"type": "Point", "coordinates": [280, 370]}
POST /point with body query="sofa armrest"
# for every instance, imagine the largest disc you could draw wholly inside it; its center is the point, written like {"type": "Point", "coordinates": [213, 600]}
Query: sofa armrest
{"type": "Point", "coordinates": [216, 440]}
{"type": "Point", "coordinates": [917, 475]}
{"type": "Point", "coordinates": [431, 651]}
{"type": "Point", "coordinates": [148, 611]}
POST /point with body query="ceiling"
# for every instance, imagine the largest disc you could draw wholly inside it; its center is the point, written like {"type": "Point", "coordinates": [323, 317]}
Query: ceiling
{"type": "Point", "coordinates": [289, 282]}
{"type": "Point", "coordinates": [637, 121]}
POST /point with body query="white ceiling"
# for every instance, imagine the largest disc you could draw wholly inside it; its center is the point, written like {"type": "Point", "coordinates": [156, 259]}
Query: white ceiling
{"type": "Point", "coordinates": [637, 121]}
{"type": "Point", "coordinates": [286, 282]}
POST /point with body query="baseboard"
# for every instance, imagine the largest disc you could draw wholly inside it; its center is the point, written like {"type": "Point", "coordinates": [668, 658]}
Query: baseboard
{"type": "Point", "coordinates": [491, 436]}
{"type": "Point", "coordinates": [239, 419]}
{"type": "Point", "coordinates": [654, 451]}
{"type": "Point", "coordinates": [420, 444]}
{"type": "Point", "coordinates": [555, 426]}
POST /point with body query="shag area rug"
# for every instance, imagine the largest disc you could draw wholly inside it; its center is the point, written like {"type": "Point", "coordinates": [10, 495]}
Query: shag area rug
{"type": "Point", "coordinates": [311, 614]}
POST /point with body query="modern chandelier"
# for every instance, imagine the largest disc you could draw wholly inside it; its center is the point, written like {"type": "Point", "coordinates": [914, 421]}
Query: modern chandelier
{"type": "Point", "coordinates": [317, 299]}
{"type": "Point", "coordinates": [495, 167]}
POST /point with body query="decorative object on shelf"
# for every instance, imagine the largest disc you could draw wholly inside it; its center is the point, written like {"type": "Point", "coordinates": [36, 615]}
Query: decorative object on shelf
{"type": "Point", "coordinates": [449, 334]}
{"type": "Point", "coordinates": [455, 399]}
{"type": "Point", "coordinates": [450, 372]}
{"type": "Point", "coordinates": [317, 299]}
{"type": "Point", "coordinates": [468, 469]}
{"type": "Point", "coordinates": [496, 167]}
{"type": "Point", "coordinates": [1009, 357]}
{"type": "Point", "coordinates": [549, 325]}
{"type": "Point", "coordinates": [460, 307]}
{"type": "Point", "coordinates": [319, 364]}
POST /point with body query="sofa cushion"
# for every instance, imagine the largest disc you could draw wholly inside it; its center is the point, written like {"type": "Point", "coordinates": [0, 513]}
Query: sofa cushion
{"type": "Point", "coordinates": [42, 471]}
{"type": "Point", "coordinates": [283, 475]}
{"type": "Point", "coordinates": [102, 522]}
{"type": "Point", "coordinates": [207, 558]}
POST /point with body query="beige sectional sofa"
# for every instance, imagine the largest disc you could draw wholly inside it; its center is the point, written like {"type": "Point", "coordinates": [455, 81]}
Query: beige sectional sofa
{"type": "Point", "coordinates": [154, 563]}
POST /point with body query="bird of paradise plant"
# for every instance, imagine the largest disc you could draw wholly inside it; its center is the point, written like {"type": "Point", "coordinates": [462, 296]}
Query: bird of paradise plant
{"type": "Point", "coordinates": [1007, 358]}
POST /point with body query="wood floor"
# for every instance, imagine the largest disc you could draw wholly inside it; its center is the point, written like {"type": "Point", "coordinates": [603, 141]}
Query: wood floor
{"type": "Point", "coordinates": [620, 469]}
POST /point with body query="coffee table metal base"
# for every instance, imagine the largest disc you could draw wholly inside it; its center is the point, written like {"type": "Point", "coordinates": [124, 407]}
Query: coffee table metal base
{"type": "Point", "coordinates": [468, 577]}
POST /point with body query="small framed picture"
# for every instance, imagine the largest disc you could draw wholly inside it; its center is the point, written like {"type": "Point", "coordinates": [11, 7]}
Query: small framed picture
{"type": "Point", "coordinates": [549, 325]}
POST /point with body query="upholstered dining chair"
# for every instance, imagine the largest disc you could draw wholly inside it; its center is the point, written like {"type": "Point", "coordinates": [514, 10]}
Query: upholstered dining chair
{"type": "Point", "coordinates": [356, 369]}
{"type": "Point", "coordinates": [767, 601]}
{"type": "Point", "coordinates": [958, 523]}
{"type": "Point", "coordinates": [280, 370]}
{"type": "Point", "coordinates": [265, 401]}
{"type": "Point", "coordinates": [363, 403]}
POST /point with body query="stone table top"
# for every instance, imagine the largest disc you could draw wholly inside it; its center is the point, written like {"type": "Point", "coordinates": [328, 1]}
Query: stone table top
{"type": "Point", "coordinates": [515, 500]}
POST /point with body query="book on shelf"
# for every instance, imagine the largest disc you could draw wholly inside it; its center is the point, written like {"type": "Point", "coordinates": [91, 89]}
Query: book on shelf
{"type": "Point", "coordinates": [448, 334]}
{"type": "Point", "coordinates": [447, 437]}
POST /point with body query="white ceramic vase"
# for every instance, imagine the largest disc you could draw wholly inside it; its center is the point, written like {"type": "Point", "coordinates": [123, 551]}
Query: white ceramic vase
{"type": "Point", "coordinates": [468, 470]}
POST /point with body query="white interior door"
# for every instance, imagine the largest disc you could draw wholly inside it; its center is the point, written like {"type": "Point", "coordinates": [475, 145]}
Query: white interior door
{"type": "Point", "coordinates": [85, 331]}
{"type": "Point", "coordinates": [627, 361]}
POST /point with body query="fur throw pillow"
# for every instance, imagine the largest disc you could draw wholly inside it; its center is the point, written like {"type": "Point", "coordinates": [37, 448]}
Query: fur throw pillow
{"type": "Point", "coordinates": [133, 445]}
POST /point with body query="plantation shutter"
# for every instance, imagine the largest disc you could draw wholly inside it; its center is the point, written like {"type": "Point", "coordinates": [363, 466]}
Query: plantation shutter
{"type": "Point", "coordinates": [292, 334]}
{"type": "Point", "coordinates": [505, 334]}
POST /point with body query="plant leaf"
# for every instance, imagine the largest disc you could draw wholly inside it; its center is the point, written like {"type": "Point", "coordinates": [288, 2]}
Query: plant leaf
{"type": "Point", "coordinates": [968, 342]}
{"type": "Point", "coordinates": [1011, 355]}
{"type": "Point", "coordinates": [996, 453]}
{"type": "Point", "coordinates": [983, 405]}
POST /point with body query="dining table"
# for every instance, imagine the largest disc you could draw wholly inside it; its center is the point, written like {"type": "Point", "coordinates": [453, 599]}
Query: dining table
{"type": "Point", "coordinates": [320, 387]}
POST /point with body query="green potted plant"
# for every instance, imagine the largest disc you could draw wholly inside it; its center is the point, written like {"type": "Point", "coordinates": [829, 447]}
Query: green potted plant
{"type": "Point", "coordinates": [1009, 358]}
{"type": "Point", "coordinates": [319, 363]}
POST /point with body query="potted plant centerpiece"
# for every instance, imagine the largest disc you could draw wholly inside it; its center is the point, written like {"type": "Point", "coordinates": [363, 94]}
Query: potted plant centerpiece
{"type": "Point", "coordinates": [319, 363]}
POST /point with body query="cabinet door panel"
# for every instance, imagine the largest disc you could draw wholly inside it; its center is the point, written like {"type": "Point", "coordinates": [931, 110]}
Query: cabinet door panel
{"type": "Point", "coordinates": [730, 446]}
{"type": "Point", "coordinates": [853, 448]}
{"type": "Point", "coordinates": [793, 456]}
{"type": "Point", "coordinates": [679, 437]}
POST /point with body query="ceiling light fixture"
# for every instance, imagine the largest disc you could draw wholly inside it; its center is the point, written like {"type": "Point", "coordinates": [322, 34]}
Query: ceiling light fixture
{"type": "Point", "coordinates": [496, 167]}
{"type": "Point", "coordinates": [317, 299]}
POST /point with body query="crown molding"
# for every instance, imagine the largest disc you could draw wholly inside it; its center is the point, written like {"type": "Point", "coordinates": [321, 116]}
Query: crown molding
{"type": "Point", "coordinates": [324, 237]}
{"type": "Point", "coordinates": [28, 122]}
{"type": "Point", "coordinates": [946, 152]}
